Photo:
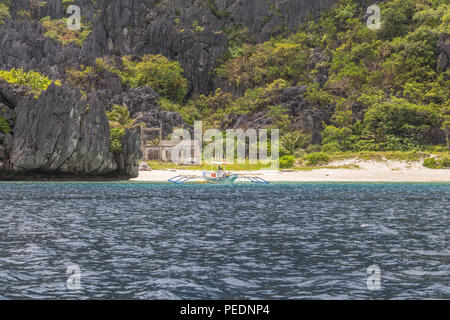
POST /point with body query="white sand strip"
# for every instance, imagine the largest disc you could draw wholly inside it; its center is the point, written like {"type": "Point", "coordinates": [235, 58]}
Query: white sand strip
{"type": "Point", "coordinates": [368, 171]}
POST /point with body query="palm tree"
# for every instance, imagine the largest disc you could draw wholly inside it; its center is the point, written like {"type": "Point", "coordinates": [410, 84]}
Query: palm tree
{"type": "Point", "coordinates": [291, 142]}
{"type": "Point", "coordinates": [119, 117]}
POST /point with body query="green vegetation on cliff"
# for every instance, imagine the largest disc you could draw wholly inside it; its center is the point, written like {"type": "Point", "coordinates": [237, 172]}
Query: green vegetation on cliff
{"type": "Point", "coordinates": [384, 87]}
{"type": "Point", "coordinates": [389, 76]}
{"type": "Point", "coordinates": [156, 71]}
{"type": "Point", "coordinates": [119, 121]}
{"type": "Point", "coordinates": [4, 125]}
{"type": "Point", "coordinates": [32, 79]}
{"type": "Point", "coordinates": [4, 12]}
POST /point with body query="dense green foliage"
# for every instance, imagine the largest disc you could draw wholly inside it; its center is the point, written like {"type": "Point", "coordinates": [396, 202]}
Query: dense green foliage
{"type": "Point", "coordinates": [156, 71]}
{"type": "Point", "coordinates": [119, 121]}
{"type": "Point", "coordinates": [119, 117]}
{"type": "Point", "coordinates": [317, 159]}
{"type": "Point", "coordinates": [383, 85]}
{"type": "Point", "coordinates": [215, 109]}
{"type": "Point", "coordinates": [4, 13]}
{"type": "Point", "coordinates": [116, 135]}
{"type": "Point", "coordinates": [390, 74]}
{"type": "Point", "coordinates": [4, 125]}
{"type": "Point", "coordinates": [287, 162]}
{"type": "Point", "coordinates": [34, 80]}
{"type": "Point", "coordinates": [293, 141]}
{"type": "Point", "coordinates": [434, 163]}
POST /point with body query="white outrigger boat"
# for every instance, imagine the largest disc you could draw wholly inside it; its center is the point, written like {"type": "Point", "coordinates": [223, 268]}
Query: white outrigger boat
{"type": "Point", "coordinates": [216, 176]}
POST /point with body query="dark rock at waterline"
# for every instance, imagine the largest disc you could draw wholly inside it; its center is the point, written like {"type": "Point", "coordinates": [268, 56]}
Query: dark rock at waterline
{"type": "Point", "coordinates": [128, 159]}
{"type": "Point", "coordinates": [144, 167]}
{"type": "Point", "coordinates": [63, 133]}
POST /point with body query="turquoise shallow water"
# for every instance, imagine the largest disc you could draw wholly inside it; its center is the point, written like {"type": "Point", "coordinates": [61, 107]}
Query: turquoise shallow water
{"type": "Point", "coordinates": [282, 241]}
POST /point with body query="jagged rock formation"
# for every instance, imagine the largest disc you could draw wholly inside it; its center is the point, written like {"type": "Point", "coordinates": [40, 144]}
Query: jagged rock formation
{"type": "Point", "coordinates": [62, 133]}
{"type": "Point", "coordinates": [143, 101]}
{"type": "Point", "coordinates": [138, 27]}
{"type": "Point", "coordinates": [308, 117]}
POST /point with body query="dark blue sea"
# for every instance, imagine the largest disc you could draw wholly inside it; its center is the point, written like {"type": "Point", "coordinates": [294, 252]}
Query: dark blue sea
{"type": "Point", "coordinates": [281, 241]}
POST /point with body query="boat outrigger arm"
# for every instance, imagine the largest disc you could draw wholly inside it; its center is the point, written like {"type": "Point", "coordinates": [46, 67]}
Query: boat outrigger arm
{"type": "Point", "coordinates": [181, 179]}
{"type": "Point", "coordinates": [217, 175]}
{"type": "Point", "coordinates": [229, 179]}
{"type": "Point", "coordinates": [254, 179]}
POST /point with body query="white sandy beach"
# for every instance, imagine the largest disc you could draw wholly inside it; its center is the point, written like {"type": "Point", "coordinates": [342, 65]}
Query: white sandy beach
{"type": "Point", "coordinates": [368, 171]}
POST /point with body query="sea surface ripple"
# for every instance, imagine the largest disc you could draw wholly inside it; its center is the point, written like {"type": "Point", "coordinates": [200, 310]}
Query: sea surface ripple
{"type": "Point", "coordinates": [282, 241]}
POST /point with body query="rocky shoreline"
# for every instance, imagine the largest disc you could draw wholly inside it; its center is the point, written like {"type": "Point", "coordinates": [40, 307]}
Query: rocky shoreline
{"type": "Point", "coordinates": [64, 130]}
{"type": "Point", "coordinates": [61, 132]}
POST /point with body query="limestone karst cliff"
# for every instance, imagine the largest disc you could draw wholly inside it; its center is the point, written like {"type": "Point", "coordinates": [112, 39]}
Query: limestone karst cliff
{"type": "Point", "coordinates": [313, 69]}
{"type": "Point", "coordinates": [64, 130]}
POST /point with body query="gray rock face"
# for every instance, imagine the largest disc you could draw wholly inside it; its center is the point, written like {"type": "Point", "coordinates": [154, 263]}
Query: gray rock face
{"type": "Point", "coordinates": [24, 46]}
{"type": "Point", "coordinates": [61, 132]}
{"type": "Point", "coordinates": [143, 102]}
{"type": "Point", "coordinates": [191, 32]}
{"type": "Point", "coordinates": [128, 159]}
{"type": "Point", "coordinates": [307, 117]}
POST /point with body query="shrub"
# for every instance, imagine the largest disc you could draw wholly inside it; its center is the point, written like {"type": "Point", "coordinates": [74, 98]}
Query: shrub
{"type": "Point", "coordinates": [287, 162]}
{"type": "Point", "coordinates": [313, 148]}
{"type": "Point", "coordinates": [86, 78]}
{"type": "Point", "coordinates": [336, 139]}
{"type": "Point", "coordinates": [317, 159]}
{"type": "Point", "coordinates": [291, 142]}
{"type": "Point", "coordinates": [431, 163]}
{"type": "Point", "coordinates": [331, 147]}
{"type": "Point", "coordinates": [237, 36]}
{"type": "Point", "coordinates": [4, 13]}
{"type": "Point", "coordinates": [266, 62]}
{"type": "Point", "coordinates": [119, 117]}
{"type": "Point", "coordinates": [156, 71]}
{"type": "Point", "coordinates": [400, 124]}
{"type": "Point", "coordinates": [34, 80]}
{"type": "Point", "coordinates": [4, 125]}
{"type": "Point", "coordinates": [445, 162]}
{"type": "Point", "coordinates": [116, 135]}
{"type": "Point", "coordinates": [119, 121]}
{"type": "Point", "coordinates": [396, 16]}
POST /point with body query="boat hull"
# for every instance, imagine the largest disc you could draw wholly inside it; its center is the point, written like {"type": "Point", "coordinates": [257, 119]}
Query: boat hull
{"type": "Point", "coordinates": [223, 180]}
